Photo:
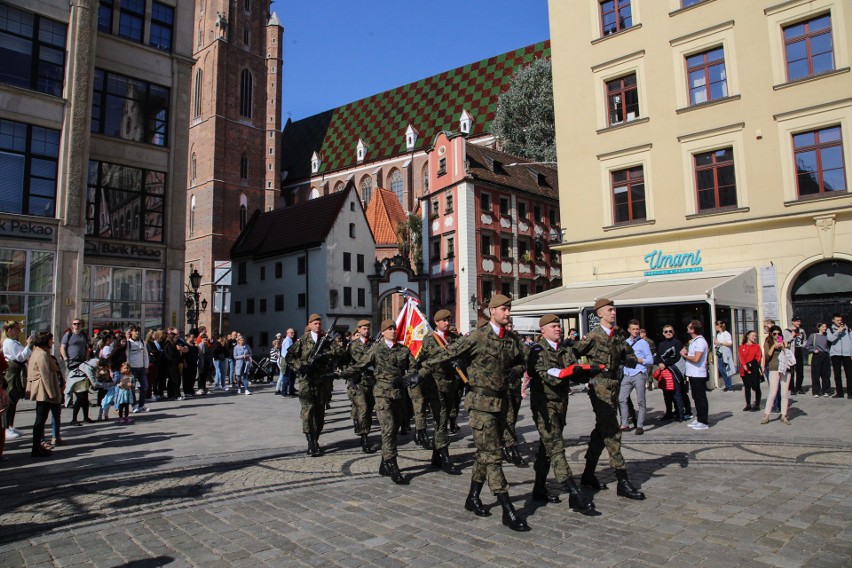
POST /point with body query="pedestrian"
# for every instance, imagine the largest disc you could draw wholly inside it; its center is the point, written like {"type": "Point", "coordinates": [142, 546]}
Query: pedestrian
{"type": "Point", "coordinates": [74, 347]}
{"type": "Point", "coordinates": [604, 346]}
{"type": "Point", "coordinates": [156, 364]}
{"type": "Point", "coordinates": [205, 362]}
{"type": "Point", "coordinates": [274, 365]}
{"type": "Point", "coordinates": [137, 358]}
{"type": "Point", "coordinates": [242, 358]}
{"type": "Point", "coordinates": [360, 387]}
{"type": "Point", "coordinates": [288, 375]}
{"type": "Point", "coordinates": [394, 370]}
{"type": "Point", "coordinates": [751, 370]}
{"type": "Point", "coordinates": [666, 381]}
{"type": "Point", "coordinates": [841, 354]}
{"type": "Point", "coordinates": [668, 357]}
{"type": "Point", "coordinates": [635, 378]}
{"type": "Point", "coordinates": [79, 385]}
{"type": "Point", "coordinates": [17, 357]}
{"type": "Point", "coordinates": [4, 405]}
{"type": "Point", "coordinates": [172, 353]}
{"type": "Point", "coordinates": [796, 337]}
{"type": "Point", "coordinates": [43, 387]}
{"type": "Point", "coordinates": [495, 360]}
{"type": "Point", "coordinates": [124, 394]}
{"type": "Point", "coordinates": [695, 354]}
{"type": "Point", "coordinates": [220, 361]}
{"type": "Point", "coordinates": [722, 344]}
{"type": "Point", "coordinates": [189, 374]}
{"type": "Point", "coordinates": [441, 386]}
{"type": "Point", "coordinates": [779, 375]}
{"type": "Point", "coordinates": [315, 369]}
{"type": "Point", "coordinates": [819, 349]}
{"type": "Point", "coordinates": [232, 364]}
{"type": "Point", "coordinates": [550, 390]}
{"type": "Point", "coordinates": [643, 333]}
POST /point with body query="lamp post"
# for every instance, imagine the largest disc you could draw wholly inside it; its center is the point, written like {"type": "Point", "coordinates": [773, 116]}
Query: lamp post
{"type": "Point", "coordinates": [195, 283]}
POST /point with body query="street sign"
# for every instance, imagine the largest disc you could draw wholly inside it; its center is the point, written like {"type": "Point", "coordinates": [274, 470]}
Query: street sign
{"type": "Point", "coordinates": [222, 272]}
{"type": "Point", "coordinates": [222, 301]}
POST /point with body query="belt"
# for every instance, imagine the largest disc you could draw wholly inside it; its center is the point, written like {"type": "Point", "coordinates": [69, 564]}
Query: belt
{"type": "Point", "coordinates": [487, 392]}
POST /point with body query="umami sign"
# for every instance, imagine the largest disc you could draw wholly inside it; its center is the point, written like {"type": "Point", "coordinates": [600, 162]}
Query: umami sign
{"type": "Point", "coordinates": [661, 263]}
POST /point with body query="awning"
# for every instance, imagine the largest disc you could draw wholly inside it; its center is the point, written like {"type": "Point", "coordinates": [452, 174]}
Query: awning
{"type": "Point", "coordinates": [733, 288]}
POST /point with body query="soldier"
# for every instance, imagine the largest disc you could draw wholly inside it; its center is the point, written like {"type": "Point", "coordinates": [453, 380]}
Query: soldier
{"type": "Point", "coordinates": [549, 366]}
{"type": "Point", "coordinates": [394, 370]}
{"type": "Point", "coordinates": [421, 398]}
{"type": "Point", "coordinates": [440, 388]}
{"type": "Point", "coordinates": [496, 360]}
{"type": "Point", "coordinates": [603, 346]}
{"type": "Point", "coordinates": [315, 371]}
{"type": "Point", "coordinates": [360, 391]}
{"type": "Point", "coordinates": [510, 436]}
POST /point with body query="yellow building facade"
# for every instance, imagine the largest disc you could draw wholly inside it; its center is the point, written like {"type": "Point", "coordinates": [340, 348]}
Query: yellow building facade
{"type": "Point", "coordinates": [704, 158]}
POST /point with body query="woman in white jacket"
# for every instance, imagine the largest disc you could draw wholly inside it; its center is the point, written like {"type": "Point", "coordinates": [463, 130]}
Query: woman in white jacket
{"type": "Point", "coordinates": [723, 343]}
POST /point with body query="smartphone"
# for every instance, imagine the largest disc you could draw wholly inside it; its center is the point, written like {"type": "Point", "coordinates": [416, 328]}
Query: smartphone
{"type": "Point", "coordinates": [779, 339]}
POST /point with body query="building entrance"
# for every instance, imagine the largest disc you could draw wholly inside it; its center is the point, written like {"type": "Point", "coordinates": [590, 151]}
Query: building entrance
{"type": "Point", "coordinates": [822, 290]}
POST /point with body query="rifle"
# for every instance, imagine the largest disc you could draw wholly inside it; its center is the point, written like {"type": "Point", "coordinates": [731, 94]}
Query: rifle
{"type": "Point", "coordinates": [321, 345]}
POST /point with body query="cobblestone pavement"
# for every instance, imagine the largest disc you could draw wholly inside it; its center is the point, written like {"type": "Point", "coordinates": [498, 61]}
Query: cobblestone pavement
{"type": "Point", "coordinates": [223, 481]}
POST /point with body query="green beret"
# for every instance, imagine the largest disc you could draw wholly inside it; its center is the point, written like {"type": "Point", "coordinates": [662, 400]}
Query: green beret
{"type": "Point", "coordinates": [442, 315]}
{"type": "Point", "coordinates": [499, 300]}
{"type": "Point", "coordinates": [387, 324]}
{"type": "Point", "coordinates": [547, 318]}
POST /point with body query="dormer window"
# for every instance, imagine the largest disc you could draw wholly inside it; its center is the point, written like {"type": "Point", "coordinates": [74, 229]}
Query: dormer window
{"type": "Point", "coordinates": [410, 137]}
{"type": "Point", "coordinates": [465, 122]}
{"type": "Point", "coordinates": [316, 162]}
{"type": "Point", "coordinates": [361, 150]}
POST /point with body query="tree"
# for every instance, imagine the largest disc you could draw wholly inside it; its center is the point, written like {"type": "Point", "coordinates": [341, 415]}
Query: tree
{"type": "Point", "coordinates": [524, 123]}
{"type": "Point", "coordinates": [409, 234]}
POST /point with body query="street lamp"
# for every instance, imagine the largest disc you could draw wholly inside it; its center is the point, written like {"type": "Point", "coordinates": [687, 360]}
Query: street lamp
{"type": "Point", "coordinates": [195, 282]}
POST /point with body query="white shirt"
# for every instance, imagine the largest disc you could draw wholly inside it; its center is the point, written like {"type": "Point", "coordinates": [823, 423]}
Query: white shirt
{"type": "Point", "coordinates": [314, 336]}
{"type": "Point", "coordinates": [14, 351]}
{"type": "Point", "coordinates": [390, 344]}
{"type": "Point", "coordinates": [699, 368]}
{"type": "Point", "coordinates": [496, 328]}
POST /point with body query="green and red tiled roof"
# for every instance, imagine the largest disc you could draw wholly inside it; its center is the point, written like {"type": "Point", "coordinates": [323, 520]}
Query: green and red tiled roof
{"type": "Point", "coordinates": [430, 105]}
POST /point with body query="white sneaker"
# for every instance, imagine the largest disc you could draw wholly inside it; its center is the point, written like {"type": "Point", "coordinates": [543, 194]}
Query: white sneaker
{"type": "Point", "coordinates": [248, 392]}
{"type": "Point", "coordinates": [135, 410]}
{"type": "Point", "coordinates": [699, 426]}
{"type": "Point", "coordinates": [12, 434]}
{"type": "Point", "coordinates": [143, 409]}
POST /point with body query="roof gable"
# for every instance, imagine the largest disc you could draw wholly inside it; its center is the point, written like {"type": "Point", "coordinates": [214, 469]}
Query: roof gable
{"type": "Point", "coordinates": [297, 227]}
{"type": "Point", "coordinates": [384, 213]}
{"type": "Point", "coordinates": [428, 105]}
{"type": "Point", "coordinates": [497, 167]}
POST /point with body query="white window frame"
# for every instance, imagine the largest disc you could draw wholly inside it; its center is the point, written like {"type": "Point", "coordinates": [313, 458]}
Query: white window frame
{"type": "Point", "coordinates": [633, 63]}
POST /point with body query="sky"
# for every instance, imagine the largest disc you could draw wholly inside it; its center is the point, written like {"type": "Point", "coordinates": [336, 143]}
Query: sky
{"type": "Point", "coordinates": [339, 51]}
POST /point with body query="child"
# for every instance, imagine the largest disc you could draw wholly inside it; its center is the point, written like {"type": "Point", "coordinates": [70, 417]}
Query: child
{"type": "Point", "coordinates": [106, 390]}
{"type": "Point", "coordinates": [124, 394]}
{"type": "Point", "coordinates": [667, 385]}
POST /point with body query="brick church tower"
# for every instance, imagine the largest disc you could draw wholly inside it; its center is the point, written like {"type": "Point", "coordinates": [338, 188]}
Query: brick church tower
{"type": "Point", "coordinates": [234, 133]}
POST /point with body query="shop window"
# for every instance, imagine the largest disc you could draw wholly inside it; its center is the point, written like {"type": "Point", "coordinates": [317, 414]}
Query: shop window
{"type": "Point", "coordinates": [347, 296]}
{"type": "Point", "coordinates": [819, 162]}
{"type": "Point", "coordinates": [125, 203]}
{"type": "Point", "coordinates": [246, 92]}
{"type": "Point", "coordinates": [347, 261]}
{"type": "Point", "coordinates": [27, 288]}
{"type": "Point", "coordinates": [359, 262]}
{"type": "Point", "coordinates": [118, 297]}
{"type": "Point", "coordinates": [622, 99]}
{"type": "Point", "coordinates": [628, 195]}
{"type": "Point", "coordinates": [808, 47]}
{"type": "Point", "coordinates": [707, 80]}
{"type": "Point", "coordinates": [162, 26]}
{"type": "Point", "coordinates": [131, 19]}
{"type": "Point", "coordinates": [715, 180]}
{"type": "Point", "coordinates": [28, 169]}
{"type": "Point", "coordinates": [301, 265]}
{"type": "Point", "coordinates": [279, 302]}
{"type": "Point", "coordinates": [130, 109]}
{"type": "Point", "coordinates": [32, 49]}
{"type": "Point", "coordinates": [362, 297]}
{"type": "Point", "coordinates": [616, 15]}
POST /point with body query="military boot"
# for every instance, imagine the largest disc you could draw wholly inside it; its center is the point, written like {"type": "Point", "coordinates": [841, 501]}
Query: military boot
{"type": "Point", "coordinates": [365, 445]}
{"type": "Point", "coordinates": [446, 463]}
{"type": "Point", "coordinates": [517, 459]}
{"type": "Point", "coordinates": [588, 478]}
{"type": "Point", "coordinates": [383, 468]}
{"type": "Point", "coordinates": [422, 438]}
{"type": "Point", "coordinates": [473, 502]}
{"type": "Point", "coordinates": [540, 492]}
{"type": "Point", "coordinates": [625, 488]}
{"type": "Point", "coordinates": [507, 455]}
{"type": "Point", "coordinates": [453, 426]}
{"type": "Point", "coordinates": [394, 473]}
{"type": "Point", "coordinates": [510, 516]}
{"type": "Point", "coordinates": [436, 459]}
{"type": "Point", "coordinates": [311, 447]}
{"type": "Point", "coordinates": [318, 451]}
{"type": "Point", "coordinates": [576, 500]}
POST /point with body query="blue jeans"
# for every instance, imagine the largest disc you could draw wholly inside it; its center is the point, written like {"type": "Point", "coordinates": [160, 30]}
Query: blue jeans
{"type": "Point", "coordinates": [140, 376]}
{"type": "Point", "coordinates": [723, 370]}
{"type": "Point", "coordinates": [288, 383]}
{"type": "Point", "coordinates": [55, 412]}
{"type": "Point", "coordinates": [221, 366]}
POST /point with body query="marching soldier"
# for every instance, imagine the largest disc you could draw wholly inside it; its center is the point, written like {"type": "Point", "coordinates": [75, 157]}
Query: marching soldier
{"type": "Point", "coordinates": [549, 366]}
{"type": "Point", "coordinates": [496, 360]}
{"type": "Point", "coordinates": [510, 435]}
{"type": "Point", "coordinates": [394, 370]}
{"type": "Point", "coordinates": [440, 388]}
{"type": "Point", "coordinates": [360, 391]}
{"type": "Point", "coordinates": [315, 371]}
{"type": "Point", "coordinates": [603, 346]}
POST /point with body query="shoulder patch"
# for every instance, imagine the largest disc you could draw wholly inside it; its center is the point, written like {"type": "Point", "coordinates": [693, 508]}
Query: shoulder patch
{"type": "Point", "coordinates": [537, 347]}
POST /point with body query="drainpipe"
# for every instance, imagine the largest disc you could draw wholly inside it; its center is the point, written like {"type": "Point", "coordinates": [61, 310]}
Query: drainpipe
{"type": "Point", "coordinates": [712, 301]}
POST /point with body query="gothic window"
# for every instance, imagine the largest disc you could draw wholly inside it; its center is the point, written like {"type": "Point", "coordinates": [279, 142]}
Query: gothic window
{"type": "Point", "coordinates": [243, 211]}
{"type": "Point", "coordinates": [397, 187]}
{"type": "Point", "coordinates": [244, 166]}
{"type": "Point", "coordinates": [192, 215]}
{"type": "Point", "coordinates": [366, 189]}
{"type": "Point", "coordinates": [193, 170]}
{"type": "Point", "coordinates": [425, 175]}
{"type": "Point", "coordinates": [196, 96]}
{"type": "Point", "coordinates": [246, 88]}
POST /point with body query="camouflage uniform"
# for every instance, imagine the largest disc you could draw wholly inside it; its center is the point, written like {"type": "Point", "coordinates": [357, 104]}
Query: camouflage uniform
{"type": "Point", "coordinates": [549, 404]}
{"type": "Point", "coordinates": [613, 352]}
{"type": "Point", "coordinates": [510, 435]}
{"type": "Point", "coordinates": [492, 360]}
{"type": "Point", "coordinates": [313, 388]}
{"type": "Point", "coordinates": [361, 395]}
{"type": "Point", "coordinates": [389, 364]}
{"type": "Point", "coordinates": [441, 385]}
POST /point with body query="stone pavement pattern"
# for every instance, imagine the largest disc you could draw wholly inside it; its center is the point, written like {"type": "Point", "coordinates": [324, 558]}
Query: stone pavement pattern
{"type": "Point", "coordinates": [223, 481]}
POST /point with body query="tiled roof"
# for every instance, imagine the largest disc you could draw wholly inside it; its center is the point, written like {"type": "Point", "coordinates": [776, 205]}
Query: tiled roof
{"type": "Point", "coordinates": [384, 213]}
{"type": "Point", "coordinates": [289, 229]}
{"type": "Point", "coordinates": [430, 105]}
{"type": "Point", "coordinates": [491, 165]}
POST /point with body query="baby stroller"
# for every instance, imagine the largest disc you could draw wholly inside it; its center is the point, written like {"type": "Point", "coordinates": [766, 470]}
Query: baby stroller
{"type": "Point", "coordinates": [260, 371]}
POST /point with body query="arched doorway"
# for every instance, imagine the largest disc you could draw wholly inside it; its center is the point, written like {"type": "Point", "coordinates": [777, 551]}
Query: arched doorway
{"type": "Point", "coordinates": [823, 289]}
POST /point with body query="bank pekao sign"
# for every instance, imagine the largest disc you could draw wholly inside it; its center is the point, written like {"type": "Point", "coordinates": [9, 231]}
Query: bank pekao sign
{"type": "Point", "coordinates": [26, 229]}
{"type": "Point", "coordinates": [661, 263]}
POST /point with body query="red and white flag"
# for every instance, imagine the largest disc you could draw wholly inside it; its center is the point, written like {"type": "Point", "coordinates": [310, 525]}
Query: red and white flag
{"type": "Point", "coordinates": [411, 326]}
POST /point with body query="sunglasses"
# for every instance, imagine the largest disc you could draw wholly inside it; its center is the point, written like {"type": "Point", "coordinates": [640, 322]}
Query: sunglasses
{"type": "Point", "coordinates": [776, 333]}
{"type": "Point", "coordinates": [76, 323]}
{"type": "Point", "coordinates": [668, 331]}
